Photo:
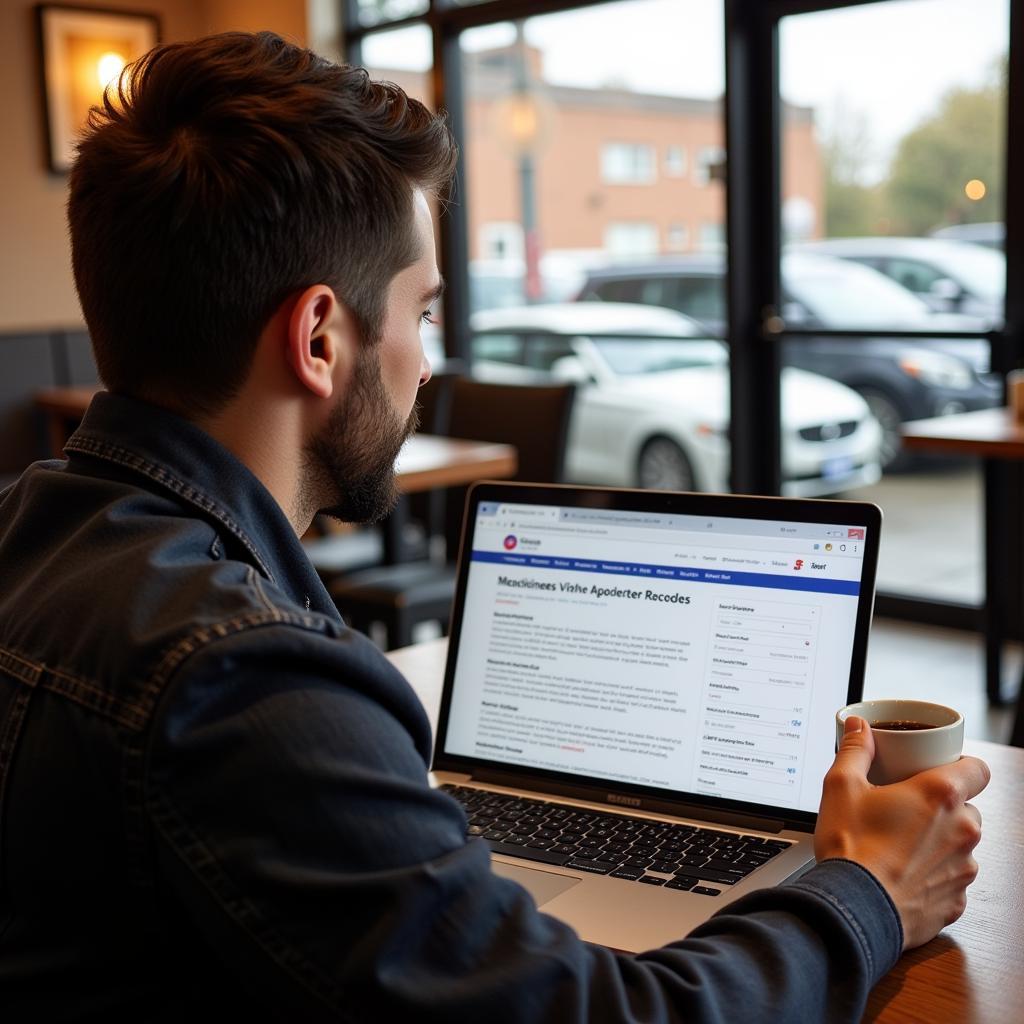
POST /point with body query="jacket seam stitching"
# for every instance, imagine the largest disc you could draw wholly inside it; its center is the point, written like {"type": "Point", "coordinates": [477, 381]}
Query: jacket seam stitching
{"type": "Point", "coordinates": [162, 476]}
{"type": "Point", "coordinates": [204, 635]}
{"type": "Point", "coordinates": [84, 692]}
{"type": "Point", "coordinates": [20, 667]}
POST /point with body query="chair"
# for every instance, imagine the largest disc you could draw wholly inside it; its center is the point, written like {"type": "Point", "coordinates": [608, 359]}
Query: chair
{"type": "Point", "coordinates": [533, 419]}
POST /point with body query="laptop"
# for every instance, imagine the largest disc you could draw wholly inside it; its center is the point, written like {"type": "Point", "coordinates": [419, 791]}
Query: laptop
{"type": "Point", "coordinates": [640, 691]}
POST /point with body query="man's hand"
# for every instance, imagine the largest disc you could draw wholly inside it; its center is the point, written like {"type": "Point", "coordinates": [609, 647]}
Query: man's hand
{"type": "Point", "coordinates": [916, 837]}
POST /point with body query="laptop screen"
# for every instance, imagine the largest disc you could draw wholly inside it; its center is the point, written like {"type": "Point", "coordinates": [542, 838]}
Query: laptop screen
{"type": "Point", "coordinates": [698, 654]}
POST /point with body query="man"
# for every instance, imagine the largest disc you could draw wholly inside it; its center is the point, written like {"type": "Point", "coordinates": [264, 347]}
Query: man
{"type": "Point", "coordinates": [213, 795]}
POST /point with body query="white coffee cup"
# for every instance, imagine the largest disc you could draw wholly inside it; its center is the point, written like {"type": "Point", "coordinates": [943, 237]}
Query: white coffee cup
{"type": "Point", "coordinates": [902, 753]}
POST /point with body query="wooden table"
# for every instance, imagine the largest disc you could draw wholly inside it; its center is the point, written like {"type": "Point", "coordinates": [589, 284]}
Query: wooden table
{"type": "Point", "coordinates": [971, 973]}
{"type": "Point", "coordinates": [425, 462]}
{"type": "Point", "coordinates": [994, 436]}
{"type": "Point", "coordinates": [63, 408]}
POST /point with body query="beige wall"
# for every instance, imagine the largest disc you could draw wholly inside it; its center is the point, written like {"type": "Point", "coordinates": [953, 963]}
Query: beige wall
{"type": "Point", "coordinates": [36, 289]}
{"type": "Point", "coordinates": [286, 17]}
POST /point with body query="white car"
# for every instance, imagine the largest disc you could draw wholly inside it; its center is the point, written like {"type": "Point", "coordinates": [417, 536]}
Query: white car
{"type": "Point", "coordinates": [653, 403]}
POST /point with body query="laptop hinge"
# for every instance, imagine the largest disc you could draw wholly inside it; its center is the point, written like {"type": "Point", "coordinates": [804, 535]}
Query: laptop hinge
{"type": "Point", "coordinates": [676, 808]}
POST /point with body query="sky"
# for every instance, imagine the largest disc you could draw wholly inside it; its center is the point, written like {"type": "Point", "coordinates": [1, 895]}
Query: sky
{"type": "Point", "coordinates": [888, 62]}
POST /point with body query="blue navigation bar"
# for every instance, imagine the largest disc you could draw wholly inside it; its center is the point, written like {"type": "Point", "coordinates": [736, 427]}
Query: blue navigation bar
{"type": "Point", "coordinates": [641, 570]}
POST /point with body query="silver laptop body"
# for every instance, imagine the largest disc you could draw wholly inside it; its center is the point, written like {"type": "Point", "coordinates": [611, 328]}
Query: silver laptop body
{"type": "Point", "coordinates": [640, 689]}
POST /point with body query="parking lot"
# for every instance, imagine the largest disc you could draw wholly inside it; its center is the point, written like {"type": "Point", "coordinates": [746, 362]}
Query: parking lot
{"type": "Point", "coordinates": [932, 532]}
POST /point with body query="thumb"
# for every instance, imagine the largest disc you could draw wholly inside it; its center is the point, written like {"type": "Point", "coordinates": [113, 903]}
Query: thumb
{"type": "Point", "coordinates": [857, 750]}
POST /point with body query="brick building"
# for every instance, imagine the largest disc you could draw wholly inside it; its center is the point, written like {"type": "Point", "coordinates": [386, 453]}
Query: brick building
{"type": "Point", "coordinates": [616, 173]}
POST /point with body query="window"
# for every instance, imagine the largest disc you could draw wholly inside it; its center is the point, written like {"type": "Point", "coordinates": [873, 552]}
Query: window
{"type": "Point", "coordinates": [710, 164]}
{"type": "Point", "coordinates": [376, 12]}
{"type": "Point", "coordinates": [913, 275]}
{"type": "Point", "coordinates": [501, 240]}
{"type": "Point", "coordinates": [627, 163]}
{"type": "Point", "coordinates": [885, 178]}
{"type": "Point", "coordinates": [675, 161]}
{"type": "Point", "coordinates": [644, 108]}
{"type": "Point", "coordinates": [702, 297]}
{"type": "Point", "coordinates": [712, 235]}
{"type": "Point", "coordinates": [678, 237]}
{"type": "Point", "coordinates": [631, 238]}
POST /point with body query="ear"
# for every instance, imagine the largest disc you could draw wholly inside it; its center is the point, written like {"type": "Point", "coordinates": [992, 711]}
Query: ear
{"type": "Point", "coordinates": [320, 339]}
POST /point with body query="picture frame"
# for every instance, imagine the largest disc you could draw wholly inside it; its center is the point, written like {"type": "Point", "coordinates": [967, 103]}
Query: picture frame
{"type": "Point", "coordinates": [81, 50]}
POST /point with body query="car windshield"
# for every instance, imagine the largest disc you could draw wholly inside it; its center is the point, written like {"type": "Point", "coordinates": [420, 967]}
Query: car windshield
{"type": "Point", "coordinates": [632, 356]}
{"type": "Point", "coordinates": [845, 295]}
{"type": "Point", "coordinates": [981, 271]}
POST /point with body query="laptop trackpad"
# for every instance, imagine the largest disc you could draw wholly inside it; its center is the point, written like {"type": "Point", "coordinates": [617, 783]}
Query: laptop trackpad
{"type": "Point", "coordinates": [541, 885]}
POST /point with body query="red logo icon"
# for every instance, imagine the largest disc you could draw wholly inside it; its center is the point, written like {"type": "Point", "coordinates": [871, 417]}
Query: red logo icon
{"type": "Point", "coordinates": [510, 542]}
{"type": "Point", "coordinates": [855, 533]}
{"type": "Point", "coordinates": [798, 564]}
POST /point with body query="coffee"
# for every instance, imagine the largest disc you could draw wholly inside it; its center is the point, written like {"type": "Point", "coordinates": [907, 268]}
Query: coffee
{"type": "Point", "coordinates": [902, 725]}
{"type": "Point", "coordinates": [910, 736]}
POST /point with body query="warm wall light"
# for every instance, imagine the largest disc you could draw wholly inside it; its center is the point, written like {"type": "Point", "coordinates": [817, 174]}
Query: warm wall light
{"type": "Point", "coordinates": [82, 52]}
{"type": "Point", "coordinates": [975, 189]}
{"type": "Point", "coordinates": [109, 68]}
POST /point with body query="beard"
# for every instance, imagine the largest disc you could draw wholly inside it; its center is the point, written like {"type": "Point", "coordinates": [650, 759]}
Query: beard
{"type": "Point", "coordinates": [350, 464]}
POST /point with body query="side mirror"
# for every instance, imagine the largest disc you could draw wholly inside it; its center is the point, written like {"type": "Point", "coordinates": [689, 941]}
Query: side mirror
{"type": "Point", "coordinates": [571, 369]}
{"type": "Point", "coordinates": [946, 293]}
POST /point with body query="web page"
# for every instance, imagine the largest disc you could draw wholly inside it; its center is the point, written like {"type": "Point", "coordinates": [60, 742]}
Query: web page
{"type": "Point", "coordinates": [703, 656]}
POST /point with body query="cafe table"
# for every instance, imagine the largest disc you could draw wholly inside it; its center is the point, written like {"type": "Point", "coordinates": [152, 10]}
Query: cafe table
{"type": "Point", "coordinates": [994, 436]}
{"type": "Point", "coordinates": [971, 973]}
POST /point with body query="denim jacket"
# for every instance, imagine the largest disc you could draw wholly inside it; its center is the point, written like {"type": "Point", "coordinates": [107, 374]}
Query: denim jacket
{"type": "Point", "coordinates": [214, 795]}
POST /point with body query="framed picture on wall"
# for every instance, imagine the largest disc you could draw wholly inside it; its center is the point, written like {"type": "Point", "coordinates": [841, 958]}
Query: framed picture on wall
{"type": "Point", "coordinates": [82, 51]}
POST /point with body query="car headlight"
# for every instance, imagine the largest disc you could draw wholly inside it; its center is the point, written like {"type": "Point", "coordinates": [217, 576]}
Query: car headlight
{"type": "Point", "coordinates": [937, 369]}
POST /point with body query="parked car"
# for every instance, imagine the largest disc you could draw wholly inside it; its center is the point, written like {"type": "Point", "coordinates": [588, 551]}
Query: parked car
{"type": "Point", "coordinates": [653, 402]}
{"type": "Point", "coordinates": [991, 234]}
{"type": "Point", "coordinates": [494, 284]}
{"type": "Point", "coordinates": [949, 276]}
{"type": "Point", "coordinates": [899, 379]}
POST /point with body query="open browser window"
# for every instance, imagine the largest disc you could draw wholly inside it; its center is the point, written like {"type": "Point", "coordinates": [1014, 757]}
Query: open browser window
{"type": "Point", "coordinates": [697, 654]}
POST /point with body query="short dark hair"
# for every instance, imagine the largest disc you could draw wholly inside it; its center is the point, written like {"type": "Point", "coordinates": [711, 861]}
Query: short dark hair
{"type": "Point", "coordinates": [227, 173]}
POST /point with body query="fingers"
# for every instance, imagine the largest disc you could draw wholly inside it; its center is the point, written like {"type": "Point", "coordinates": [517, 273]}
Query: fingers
{"type": "Point", "coordinates": [857, 749]}
{"type": "Point", "coordinates": [954, 784]}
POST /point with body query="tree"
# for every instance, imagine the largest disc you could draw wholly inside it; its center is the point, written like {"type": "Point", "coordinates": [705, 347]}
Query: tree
{"type": "Point", "coordinates": [851, 199]}
{"type": "Point", "coordinates": [962, 141]}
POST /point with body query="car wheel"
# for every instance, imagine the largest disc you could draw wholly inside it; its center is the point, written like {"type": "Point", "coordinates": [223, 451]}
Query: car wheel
{"type": "Point", "coordinates": [663, 466]}
{"type": "Point", "coordinates": [887, 412]}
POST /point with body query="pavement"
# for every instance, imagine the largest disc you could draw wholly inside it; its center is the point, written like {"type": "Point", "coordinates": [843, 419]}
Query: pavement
{"type": "Point", "coordinates": [932, 532]}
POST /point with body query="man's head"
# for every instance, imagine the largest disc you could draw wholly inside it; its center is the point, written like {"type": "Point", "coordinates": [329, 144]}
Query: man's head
{"type": "Point", "coordinates": [349, 460]}
{"type": "Point", "coordinates": [231, 178]}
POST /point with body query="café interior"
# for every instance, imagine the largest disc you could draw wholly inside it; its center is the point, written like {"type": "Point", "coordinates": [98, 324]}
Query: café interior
{"type": "Point", "coordinates": [801, 211]}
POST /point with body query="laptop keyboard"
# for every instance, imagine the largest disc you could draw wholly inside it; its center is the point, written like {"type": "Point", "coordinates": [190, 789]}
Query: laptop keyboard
{"type": "Point", "coordinates": [635, 849]}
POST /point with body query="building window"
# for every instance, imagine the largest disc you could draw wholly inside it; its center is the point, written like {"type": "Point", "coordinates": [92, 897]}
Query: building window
{"type": "Point", "coordinates": [712, 235]}
{"type": "Point", "coordinates": [631, 238]}
{"type": "Point", "coordinates": [675, 161]}
{"type": "Point", "coordinates": [678, 237]}
{"type": "Point", "coordinates": [627, 163]}
{"type": "Point", "coordinates": [501, 240]}
{"type": "Point", "coordinates": [709, 164]}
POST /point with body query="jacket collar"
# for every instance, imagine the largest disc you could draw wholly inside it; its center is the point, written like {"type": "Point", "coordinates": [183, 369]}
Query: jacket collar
{"type": "Point", "coordinates": [176, 456]}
